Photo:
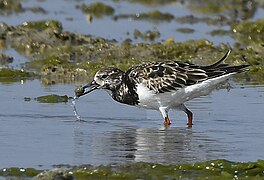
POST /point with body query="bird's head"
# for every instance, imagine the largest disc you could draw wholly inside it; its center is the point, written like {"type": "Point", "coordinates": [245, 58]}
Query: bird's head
{"type": "Point", "coordinates": [108, 78]}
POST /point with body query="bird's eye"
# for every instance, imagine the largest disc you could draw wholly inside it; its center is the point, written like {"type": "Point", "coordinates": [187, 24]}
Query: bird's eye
{"type": "Point", "coordinates": [104, 76]}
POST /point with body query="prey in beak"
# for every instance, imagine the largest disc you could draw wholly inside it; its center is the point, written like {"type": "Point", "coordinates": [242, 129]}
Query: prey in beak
{"type": "Point", "coordinates": [107, 78]}
{"type": "Point", "coordinates": [80, 91]}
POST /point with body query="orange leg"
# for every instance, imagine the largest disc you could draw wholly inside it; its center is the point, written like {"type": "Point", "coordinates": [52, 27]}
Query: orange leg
{"type": "Point", "coordinates": [167, 121]}
{"type": "Point", "coordinates": [189, 114]}
{"type": "Point", "coordinates": [190, 118]}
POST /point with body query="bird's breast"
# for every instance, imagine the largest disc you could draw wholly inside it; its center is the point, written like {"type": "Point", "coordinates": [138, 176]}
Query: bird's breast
{"type": "Point", "coordinates": [151, 100]}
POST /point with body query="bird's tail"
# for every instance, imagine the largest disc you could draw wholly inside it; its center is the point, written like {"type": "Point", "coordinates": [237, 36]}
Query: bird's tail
{"type": "Point", "coordinates": [215, 65]}
{"type": "Point", "coordinates": [220, 68]}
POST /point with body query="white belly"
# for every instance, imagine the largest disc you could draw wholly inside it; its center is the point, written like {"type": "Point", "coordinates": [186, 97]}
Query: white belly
{"type": "Point", "coordinates": [151, 100]}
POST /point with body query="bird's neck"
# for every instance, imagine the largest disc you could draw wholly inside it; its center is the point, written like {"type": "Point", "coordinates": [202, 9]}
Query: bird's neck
{"type": "Point", "coordinates": [125, 93]}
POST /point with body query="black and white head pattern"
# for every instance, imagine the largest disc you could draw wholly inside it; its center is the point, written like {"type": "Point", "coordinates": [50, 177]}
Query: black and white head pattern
{"type": "Point", "coordinates": [109, 78]}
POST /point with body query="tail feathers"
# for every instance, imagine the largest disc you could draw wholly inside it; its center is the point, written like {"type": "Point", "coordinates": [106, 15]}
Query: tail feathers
{"type": "Point", "coordinates": [237, 69]}
{"type": "Point", "coordinates": [219, 68]}
{"type": "Point", "coordinates": [218, 63]}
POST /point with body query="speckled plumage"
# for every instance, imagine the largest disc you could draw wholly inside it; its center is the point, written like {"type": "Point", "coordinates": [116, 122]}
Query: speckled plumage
{"type": "Point", "coordinates": [163, 85]}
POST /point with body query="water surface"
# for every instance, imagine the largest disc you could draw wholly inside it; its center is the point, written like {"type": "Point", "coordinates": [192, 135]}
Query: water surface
{"type": "Point", "coordinates": [227, 125]}
{"type": "Point", "coordinates": [74, 20]}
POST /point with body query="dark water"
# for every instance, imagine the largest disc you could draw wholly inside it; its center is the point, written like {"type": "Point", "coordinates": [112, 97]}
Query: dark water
{"type": "Point", "coordinates": [227, 125]}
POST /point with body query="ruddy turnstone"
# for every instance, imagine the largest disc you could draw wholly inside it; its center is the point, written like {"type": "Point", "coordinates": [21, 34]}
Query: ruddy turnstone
{"type": "Point", "coordinates": [162, 85]}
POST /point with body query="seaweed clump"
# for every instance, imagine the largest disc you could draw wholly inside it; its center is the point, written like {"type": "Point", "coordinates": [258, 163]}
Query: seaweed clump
{"type": "Point", "coordinates": [150, 35]}
{"type": "Point", "coordinates": [97, 9]}
{"type": "Point", "coordinates": [152, 16]}
{"type": "Point", "coordinates": [60, 56]}
{"type": "Point", "coordinates": [153, 2]}
{"type": "Point", "coordinates": [53, 98]}
{"type": "Point", "coordinates": [234, 9]}
{"type": "Point", "coordinates": [10, 6]}
{"type": "Point", "coordinates": [249, 35]}
{"type": "Point", "coordinates": [248, 32]}
{"type": "Point", "coordinates": [185, 30]}
{"type": "Point", "coordinates": [12, 75]}
{"type": "Point", "coordinates": [215, 169]}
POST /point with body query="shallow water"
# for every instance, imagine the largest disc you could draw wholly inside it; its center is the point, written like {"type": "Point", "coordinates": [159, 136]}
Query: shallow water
{"type": "Point", "coordinates": [74, 20]}
{"type": "Point", "coordinates": [227, 125]}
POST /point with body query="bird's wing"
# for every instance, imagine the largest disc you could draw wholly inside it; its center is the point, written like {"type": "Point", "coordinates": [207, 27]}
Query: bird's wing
{"type": "Point", "coordinates": [172, 75]}
{"type": "Point", "coordinates": [166, 76]}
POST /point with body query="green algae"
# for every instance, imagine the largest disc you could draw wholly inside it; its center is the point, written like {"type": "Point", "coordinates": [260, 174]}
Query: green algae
{"type": "Point", "coordinates": [54, 175]}
{"type": "Point", "coordinates": [248, 32]}
{"type": "Point", "coordinates": [215, 169]}
{"type": "Point", "coordinates": [251, 56]}
{"type": "Point", "coordinates": [97, 9]}
{"type": "Point", "coordinates": [217, 20]}
{"type": "Point", "coordinates": [61, 56]}
{"type": "Point", "coordinates": [211, 169]}
{"type": "Point", "coordinates": [19, 172]}
{"type": "Point", "coordinates": [156, 15]}
{"type": "Point", "coordinates": [53, 98]}
{"type": "Point", "coordinates": [56, 26]}
{"type": "Point", "coordinates": [50, 60]}
{"type": "Point", "coordinates": [8, 75]}
{"type": "Point", "coordinates": [151, 2]}
{"type": "Point", "coordinates": [220, 32]}
{"type": "Point", "coordinates": [10, 6]}
{"type": "Point", "coordinates": [5, 72]}
{"type": "Point", "coordinates": [244, 9]}
{"type": "Point", "coordinates": [185, 30]}
{"type": "Point", "coordinates": [152, 16]}
{"type": "Point", "coordinates": [150, 35]}
{"type": "Point", "coordinates": [57, 69]}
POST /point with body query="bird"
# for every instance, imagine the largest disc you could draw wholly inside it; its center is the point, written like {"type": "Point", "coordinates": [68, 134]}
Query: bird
{"type": "Point", "coordinates": [162, 85]}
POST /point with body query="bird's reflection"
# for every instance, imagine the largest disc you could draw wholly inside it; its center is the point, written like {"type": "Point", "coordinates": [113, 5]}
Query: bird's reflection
{"type": "Point", "coordinates": [156, 145]}
{"type": "Point", "coordinates": [165, 145]}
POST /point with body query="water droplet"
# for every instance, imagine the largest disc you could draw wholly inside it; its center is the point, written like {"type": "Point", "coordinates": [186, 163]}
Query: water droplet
{"type": "Point", "coordinates": [74, 108]}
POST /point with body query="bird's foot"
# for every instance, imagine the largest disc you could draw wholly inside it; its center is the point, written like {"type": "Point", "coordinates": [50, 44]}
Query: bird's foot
{"type": "Point", "coordinates": [190, 119]}
{"type": "Point", "coordinates": [189, 125]}
{"type": "Point", "coordinates": [167, 122]}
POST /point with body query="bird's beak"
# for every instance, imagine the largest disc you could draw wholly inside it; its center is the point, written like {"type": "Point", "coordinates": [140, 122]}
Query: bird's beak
{"type": "Point", "coordinates": [80, 91]}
